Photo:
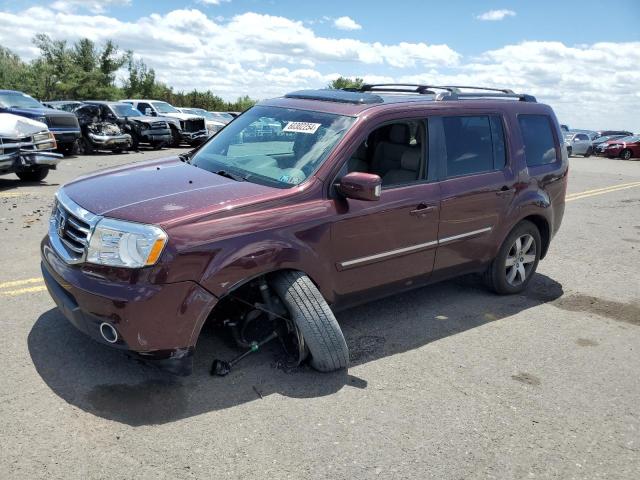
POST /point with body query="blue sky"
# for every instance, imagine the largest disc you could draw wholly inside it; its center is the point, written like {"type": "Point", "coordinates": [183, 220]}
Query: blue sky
{"type": "Point", "coordinates": [579, 56]}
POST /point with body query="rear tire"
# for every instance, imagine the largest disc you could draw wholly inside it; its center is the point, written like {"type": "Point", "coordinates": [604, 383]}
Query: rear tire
{"type": "Point", "coordinates": [625, 154]}
{"type": "Point", "coordinates": [315, 320]}
{"type": "Point", "coordinates": [588, 153]}
{"type": "Point", "coordinates": [37, 174]}
{"type": "Point", "coordinates": [516, 259]}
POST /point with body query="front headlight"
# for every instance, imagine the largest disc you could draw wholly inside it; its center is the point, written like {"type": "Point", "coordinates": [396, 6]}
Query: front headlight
{"type": "Point", "coordinates": [125, 244]}
{"type": "Point", "coordinates": [44, 141]}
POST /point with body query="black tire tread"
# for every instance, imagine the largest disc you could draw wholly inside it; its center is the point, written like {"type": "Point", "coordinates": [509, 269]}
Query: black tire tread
{"type": "Point", "coordinates": [314, 318]}
{"type": "Point", "coordinates": [491, 273]}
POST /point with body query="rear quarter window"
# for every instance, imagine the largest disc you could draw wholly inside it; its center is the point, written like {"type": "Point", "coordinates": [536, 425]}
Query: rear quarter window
{"type": "Point", "coordinates": [537, 136]}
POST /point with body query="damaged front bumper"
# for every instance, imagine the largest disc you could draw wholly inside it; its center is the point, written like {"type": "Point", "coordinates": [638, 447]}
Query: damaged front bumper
{"type": "Point", "coordinates": [110, 141]}
{"type": "Point", "coordinates": [25, 159]}
{"type": "Point", "coordinates": [159, 323]}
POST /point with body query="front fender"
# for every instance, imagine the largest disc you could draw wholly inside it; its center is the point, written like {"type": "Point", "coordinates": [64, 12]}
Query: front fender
{"type": "Point", "coordinates": [233, 267]}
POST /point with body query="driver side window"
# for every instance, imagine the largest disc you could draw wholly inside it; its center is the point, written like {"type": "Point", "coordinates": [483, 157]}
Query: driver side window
{"type": "Point", "coordinates": [395, 152]}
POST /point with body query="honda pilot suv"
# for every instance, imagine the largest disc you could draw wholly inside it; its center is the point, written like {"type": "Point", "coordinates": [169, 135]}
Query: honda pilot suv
{"type": "Point", "coordinates": [354, 196]}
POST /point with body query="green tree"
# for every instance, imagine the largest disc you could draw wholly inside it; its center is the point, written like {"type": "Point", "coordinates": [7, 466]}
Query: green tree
{"type": "Point", "coordinates": [13, 71]}
{"type": "Point", "coordinates": [346, 82]}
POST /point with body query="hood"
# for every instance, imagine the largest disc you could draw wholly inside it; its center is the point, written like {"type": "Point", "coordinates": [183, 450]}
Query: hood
{"type": "Point", "coordinates": [37, 112]}
{"type": "Point", "coordinates": [162, 192]}
{"type": "Point", "coordinates": [183, 116]}
{"type": "Point", "coordinates": [15, 126]}
{"type": "Point", "coordinates": [144, 119]}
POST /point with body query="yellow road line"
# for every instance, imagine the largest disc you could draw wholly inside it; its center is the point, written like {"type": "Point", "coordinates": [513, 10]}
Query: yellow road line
{"type": "Point", "coordinates": [578, 194]}
{"type": "Point", "coordinates": [600, 192]}
{"type": "Point", "coordinates": [20, 291]}
{"type": "Point", "coordinates": [17, 283]}
{"type": "Point", "coordinates": [12, 194]}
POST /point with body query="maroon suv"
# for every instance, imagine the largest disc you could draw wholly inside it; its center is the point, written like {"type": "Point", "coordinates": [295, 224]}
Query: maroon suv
{"type": "Point", "coordinates": [303, 205]}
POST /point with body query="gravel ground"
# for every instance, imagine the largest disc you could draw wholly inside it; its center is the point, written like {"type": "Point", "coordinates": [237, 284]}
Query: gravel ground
{"type": "Point", "coordinates": [446, 382]}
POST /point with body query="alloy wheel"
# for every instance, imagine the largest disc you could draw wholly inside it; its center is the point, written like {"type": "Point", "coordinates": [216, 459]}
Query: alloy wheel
{"type": "Point", "coordinates": [520, 260]}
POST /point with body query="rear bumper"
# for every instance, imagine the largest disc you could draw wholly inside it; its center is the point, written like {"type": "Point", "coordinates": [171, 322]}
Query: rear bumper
{"type": "Point", "coordinates": [159, 323]}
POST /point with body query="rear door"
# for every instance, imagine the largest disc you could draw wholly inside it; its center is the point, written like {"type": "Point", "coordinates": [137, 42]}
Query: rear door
{"type": "Point", "coordinates": [477, 186]}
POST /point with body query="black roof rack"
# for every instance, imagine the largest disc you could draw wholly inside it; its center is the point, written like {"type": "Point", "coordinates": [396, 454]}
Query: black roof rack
{"type": "Point", "coordinates": [339, 96]}
{"type": "Point", "coordinates": [451, 92]}
{"type": "Point", "coordinates": [402, 88]}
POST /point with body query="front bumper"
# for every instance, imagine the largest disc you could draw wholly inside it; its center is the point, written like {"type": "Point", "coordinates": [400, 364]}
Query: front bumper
{"type": "Point", "coordinates": [110, 141]}
{"type": "Point", "coordinates": [156, 135]}
{"type": "Point", "coordinates": [194, 138]}
{"type": "Point", "coordinates": [160, 323]}
{"type": "Point", "coordinates": [26, 159]}
{"type": "Point", "coordinates": [66, 136]}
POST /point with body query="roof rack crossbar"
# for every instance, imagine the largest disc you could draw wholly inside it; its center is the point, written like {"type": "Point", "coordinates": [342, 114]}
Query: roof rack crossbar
{"type": "Point", "coordinates": [451, 92]}
{"type": "Point", "coordinates": [501, 90]}
{"type": "Point", "coordinates": [408, 88]}
{"type": "Point", "coordinates": [523, 97]}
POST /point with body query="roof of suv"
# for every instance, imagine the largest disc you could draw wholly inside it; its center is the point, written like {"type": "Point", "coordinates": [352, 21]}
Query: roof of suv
{"type": "Point", "coordinates": [396, 96]}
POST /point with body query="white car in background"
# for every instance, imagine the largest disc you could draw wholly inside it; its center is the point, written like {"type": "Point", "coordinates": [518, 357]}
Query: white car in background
{"type": "Point", "coordinates": [213, 123]}
{"type": "Point", "coordinates": [26, 148]}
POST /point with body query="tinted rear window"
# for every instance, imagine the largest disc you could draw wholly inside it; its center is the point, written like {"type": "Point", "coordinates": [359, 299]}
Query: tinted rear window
{"type": "Point", "coordinates": [537, 135]}
{"type": "Point", "coordinates": [475, 144]}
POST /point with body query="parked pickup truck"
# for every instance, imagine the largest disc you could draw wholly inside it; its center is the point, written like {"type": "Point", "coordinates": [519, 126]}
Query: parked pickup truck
{"type": "Point", "coordinates": [192, 129]}
{"type": "Point", "coordinates": [26, 148]}
{"type": "Point", "coordinates": [63, 125]}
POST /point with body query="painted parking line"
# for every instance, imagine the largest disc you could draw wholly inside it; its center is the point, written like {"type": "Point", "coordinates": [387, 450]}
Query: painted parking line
{"type": "Point", "coordinates": [601, 191]}
{"type": "Point", "coordinates": [19, 283]}
{"type": "Point", "coordinates": [13, 194]}
{"type": "Point", "coordinates": [22, 291]}
{"type": "Point", "coordinates": [20, 287]}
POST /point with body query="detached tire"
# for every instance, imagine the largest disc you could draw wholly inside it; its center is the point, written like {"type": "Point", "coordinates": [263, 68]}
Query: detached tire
{"type": "Point", "coordinates": [314, 319]}
{"type": "Point", "coordinates": [517, 260]}
{"type": "Point", "coordinates": [34, 175]}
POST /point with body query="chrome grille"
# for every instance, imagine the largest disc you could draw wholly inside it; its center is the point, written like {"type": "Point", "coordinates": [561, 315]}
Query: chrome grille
{"type": "Point", "coordinates": [70, 228]}
{"type": "Point", "coordinates": [159, 125]}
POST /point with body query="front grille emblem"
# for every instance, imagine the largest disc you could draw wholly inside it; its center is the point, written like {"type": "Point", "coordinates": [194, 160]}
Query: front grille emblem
{"type": "Point", "coordinates": [62, 223]}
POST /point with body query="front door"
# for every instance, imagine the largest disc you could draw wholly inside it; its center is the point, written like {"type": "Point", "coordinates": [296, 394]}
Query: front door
{"type": "Point", "coordinates": [392, 241]}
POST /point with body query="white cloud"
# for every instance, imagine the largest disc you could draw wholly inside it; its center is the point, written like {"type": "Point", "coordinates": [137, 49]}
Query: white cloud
{"type": "Point", "coordinates": [496, 15]}
{"type": "Point", "coordinates": [590, 86]}
{"type": "Point", "coordinates": [94, 6]}
{"type": "Point", "coordinates": [212, 2]}
{"type": "Point", "coordinates": [346, 23]}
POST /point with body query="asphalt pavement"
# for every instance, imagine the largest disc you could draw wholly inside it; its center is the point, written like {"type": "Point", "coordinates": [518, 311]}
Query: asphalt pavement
{"type": "Point", "coordinates": [446, 382]}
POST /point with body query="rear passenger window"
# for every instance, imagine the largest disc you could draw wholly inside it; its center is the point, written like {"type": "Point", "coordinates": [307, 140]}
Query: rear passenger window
{"type": "Point", "coordinates": [474, 144]}
{"type": "Point", "coordinates": [539, 145]}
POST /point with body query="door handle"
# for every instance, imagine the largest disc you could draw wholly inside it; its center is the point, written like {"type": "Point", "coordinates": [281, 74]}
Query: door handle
{"type": "Point", "coordinates": [505, 191]}
{"type": "Point", "coordinates": [423, 209]}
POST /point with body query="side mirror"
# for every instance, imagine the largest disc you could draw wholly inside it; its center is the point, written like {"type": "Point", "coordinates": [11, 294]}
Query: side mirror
{"type": "Point", "coordinates": [360, 186]}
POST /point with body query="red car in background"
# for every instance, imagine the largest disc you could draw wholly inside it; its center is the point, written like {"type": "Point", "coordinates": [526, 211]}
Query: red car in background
{"type": "Point", "coordinates": [625, 148]}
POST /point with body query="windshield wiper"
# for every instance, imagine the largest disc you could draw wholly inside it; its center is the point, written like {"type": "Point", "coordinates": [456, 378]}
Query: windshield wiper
{"type": "Point", "coordinates": [185, 157]}
{"type": "Point", "coordinates": [232, 176]}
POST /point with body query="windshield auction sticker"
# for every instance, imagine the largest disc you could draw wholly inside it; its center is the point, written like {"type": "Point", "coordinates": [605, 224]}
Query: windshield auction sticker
{"type": "Point", "coordinates": [301, 127]}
